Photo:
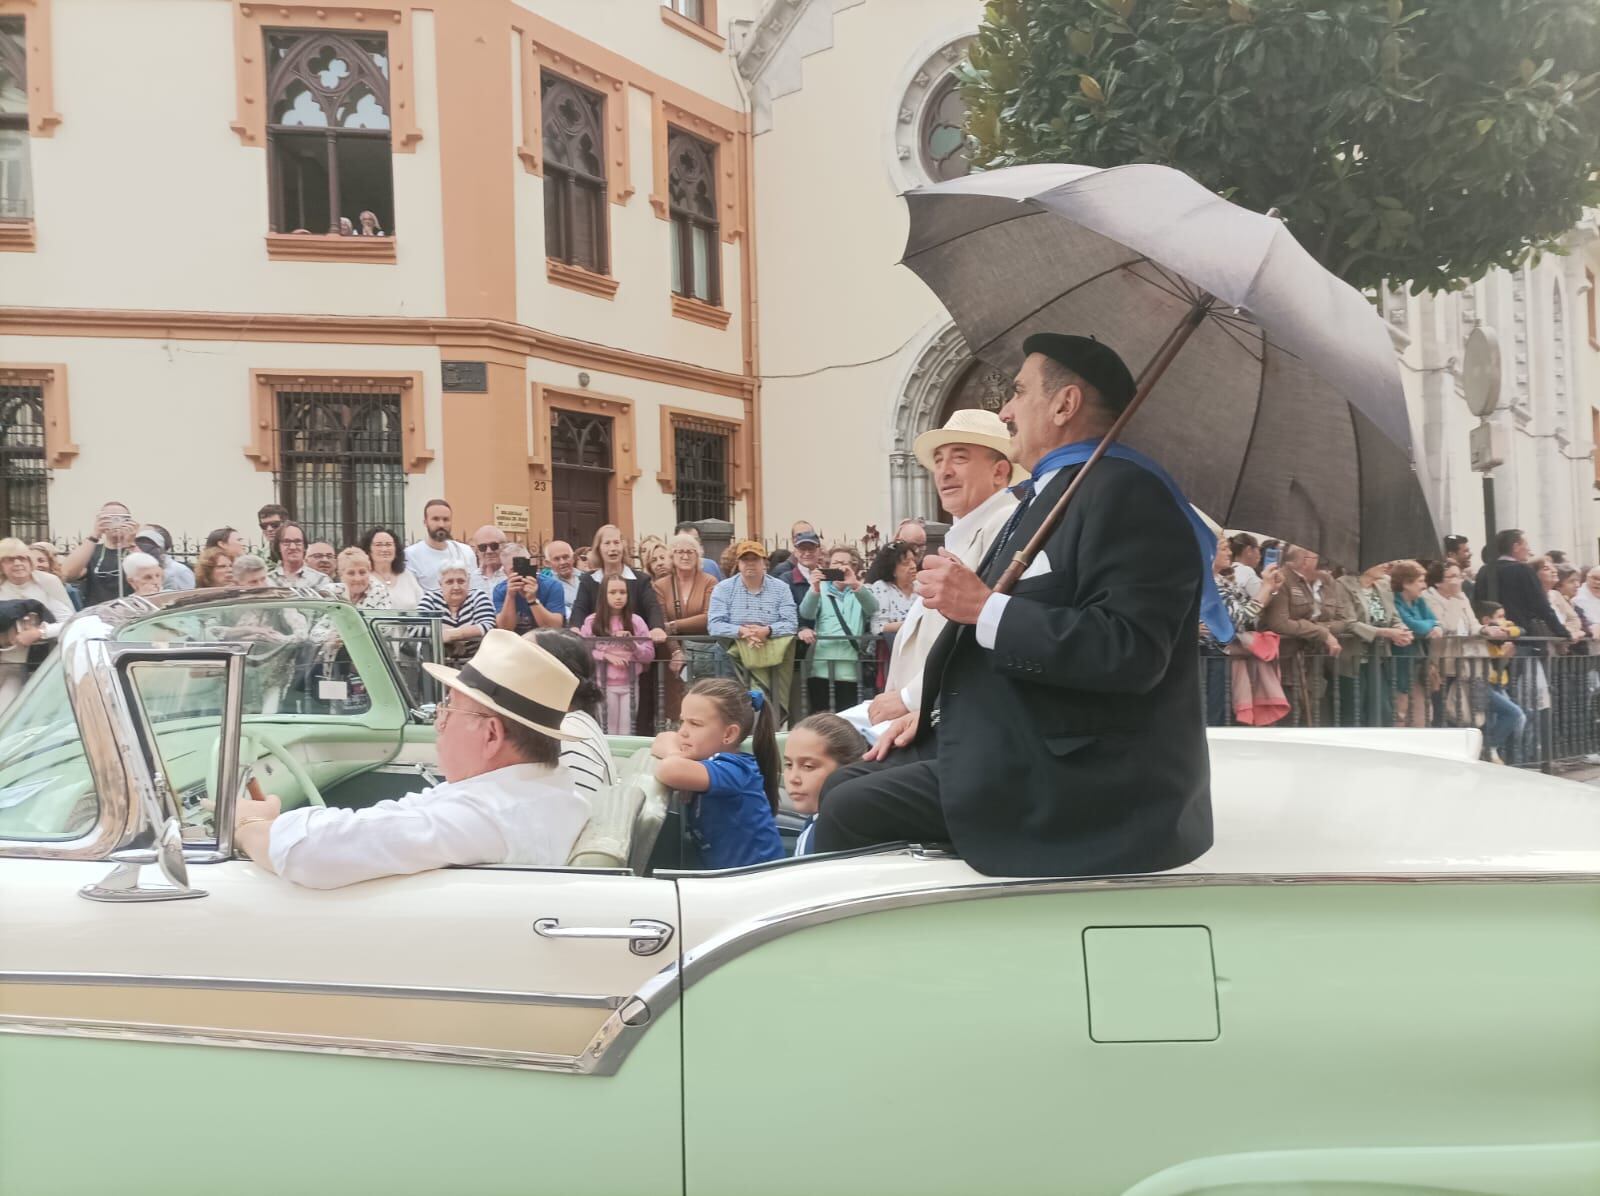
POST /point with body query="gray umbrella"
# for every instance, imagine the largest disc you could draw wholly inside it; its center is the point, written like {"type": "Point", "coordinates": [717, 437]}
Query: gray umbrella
{"type": "Point", "coordinates": [1283, 410]}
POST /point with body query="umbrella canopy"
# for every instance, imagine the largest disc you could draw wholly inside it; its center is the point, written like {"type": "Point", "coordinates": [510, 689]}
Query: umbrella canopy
{"type": "Point", "coordinates": [1284, 410]}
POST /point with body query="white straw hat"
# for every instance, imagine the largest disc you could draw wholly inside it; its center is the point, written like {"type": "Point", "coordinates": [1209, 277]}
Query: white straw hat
{"type": "Point", "coordinates": [516, 679]}
{"type": "Point", "coordinates": [972, 425]}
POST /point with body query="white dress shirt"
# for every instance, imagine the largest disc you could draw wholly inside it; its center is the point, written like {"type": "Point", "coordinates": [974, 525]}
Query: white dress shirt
{"type": "Point", "coordinates": [995, 607]}
{"type": "Point", "coordinates": [521, 814]}
{"type": "Point", "coordinates": [423, 559]}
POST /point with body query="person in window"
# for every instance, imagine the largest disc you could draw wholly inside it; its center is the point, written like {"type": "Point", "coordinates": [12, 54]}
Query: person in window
{"type": "Point", "coordinates": [347, 227]}
{"type": "Point", "coordinates": [382, 547]}
{"type": "Point", "coordinates": [96, 563]}
{"type": "Point", "coordinates": [292, 570]}
{"type": "Point", "coordinates": [465, 612]}
{"type": "Point", "coordinates": [369, 225]}
{"type": "Point", "coordinates": [523, 602]}
{"type": "Point", "coordinates": [585, 754]}
{"type": "Point", "coordinates": [504, 800]}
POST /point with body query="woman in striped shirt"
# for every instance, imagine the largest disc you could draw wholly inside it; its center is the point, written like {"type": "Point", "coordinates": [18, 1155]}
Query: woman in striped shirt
{"type": "Point", "coordinates": [588, 758]}
{"type": "Point", "coordinates": [465, 612]}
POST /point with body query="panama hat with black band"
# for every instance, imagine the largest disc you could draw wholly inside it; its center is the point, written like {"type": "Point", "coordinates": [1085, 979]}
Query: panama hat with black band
{"type": "Point", "coordinates": [516, 679]}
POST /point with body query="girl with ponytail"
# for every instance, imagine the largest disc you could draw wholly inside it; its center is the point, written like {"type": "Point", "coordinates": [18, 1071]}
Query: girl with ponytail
{"type": "Point", "coordinates": [734, 793]}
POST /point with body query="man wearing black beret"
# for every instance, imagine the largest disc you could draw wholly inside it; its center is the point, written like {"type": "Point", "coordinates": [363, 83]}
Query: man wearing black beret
{"type": "Point", "coordinates": [1067, 722]}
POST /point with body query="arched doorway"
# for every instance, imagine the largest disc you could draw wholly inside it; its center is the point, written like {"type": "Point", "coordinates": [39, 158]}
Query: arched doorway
{"type": "Point", "coordinates": [944, 379]}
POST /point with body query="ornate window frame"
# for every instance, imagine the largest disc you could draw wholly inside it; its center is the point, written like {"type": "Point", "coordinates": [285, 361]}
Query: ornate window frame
{"type": "Point", "coordinates": [624, 452]}
{"type": "Point", "coordinates": [933, 60]}
{"type": "Point", "coordinates": [600, 282]}
{"type": "Point", "coordinates": [59, 450]}
{"type": "Point", "coordinates": [39, 45]}
{"type": "Point", "coordinates": [721, 129]}
{"type": "Point", "coordinates": [739, 482]}
{"type": "Point", "coordinates": [548, 48]}
{"type": "Point", "coordinates": [250, 23]}
{"type": "Point", "coordinates": [264, 385]}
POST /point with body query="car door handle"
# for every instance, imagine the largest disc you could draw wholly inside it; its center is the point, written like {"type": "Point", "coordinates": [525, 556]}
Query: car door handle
{"type": "Point", "coordinates": [645, 936]}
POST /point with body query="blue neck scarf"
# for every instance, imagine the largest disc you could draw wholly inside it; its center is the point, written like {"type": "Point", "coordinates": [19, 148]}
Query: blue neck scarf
{"type": "Point", "coordinates": [1213, 611]}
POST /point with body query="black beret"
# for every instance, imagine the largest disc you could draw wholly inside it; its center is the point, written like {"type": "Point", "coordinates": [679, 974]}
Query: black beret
{"type": "Point", "coordinates": [1096, 364]}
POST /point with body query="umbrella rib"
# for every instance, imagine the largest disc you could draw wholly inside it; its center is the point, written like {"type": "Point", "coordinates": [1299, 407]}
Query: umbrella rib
{"type": "Point", "coordinates": [1236, 336]}
{"type": "Point", "coordinates": [1255, 426]}
{"type": "Point", "coordinates": [905, 259]}
{"type": "Point", "coordinates": [978, 350]}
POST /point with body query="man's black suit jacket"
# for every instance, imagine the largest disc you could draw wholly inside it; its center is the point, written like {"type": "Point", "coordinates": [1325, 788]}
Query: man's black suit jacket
{"type": "Point", "coordinates": [1077, 744]}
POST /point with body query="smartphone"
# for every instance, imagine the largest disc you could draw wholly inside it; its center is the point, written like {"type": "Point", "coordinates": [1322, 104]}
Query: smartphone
{"type": "Point", "coordinates": [523, 567]}
{"type": "Point", "coordinates": [833, 574]}
{"type": "Point", "coordinates": [1269, 560]}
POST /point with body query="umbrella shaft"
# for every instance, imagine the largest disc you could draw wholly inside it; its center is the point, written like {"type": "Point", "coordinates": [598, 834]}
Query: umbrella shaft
{"type": "Point", "coordinates": [1151, 374]}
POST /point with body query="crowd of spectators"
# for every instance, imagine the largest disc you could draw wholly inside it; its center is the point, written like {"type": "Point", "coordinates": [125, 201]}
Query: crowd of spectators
{"type": "Point", "coordinates": [1404, 643]}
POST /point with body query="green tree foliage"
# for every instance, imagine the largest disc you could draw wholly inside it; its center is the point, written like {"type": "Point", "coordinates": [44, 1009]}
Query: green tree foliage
{"type": "Point", "coordinates": [1399, 142]}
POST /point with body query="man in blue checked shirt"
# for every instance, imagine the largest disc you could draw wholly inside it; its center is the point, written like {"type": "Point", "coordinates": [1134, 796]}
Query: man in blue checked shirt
{"type": "Point", "coordinates": [540, 598]}
{"type": "Point", "coordinates": [751, 606]}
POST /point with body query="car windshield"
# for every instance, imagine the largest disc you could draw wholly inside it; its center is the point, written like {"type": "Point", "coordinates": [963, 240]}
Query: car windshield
{"type": "Point", "coordinates": [297, 667]}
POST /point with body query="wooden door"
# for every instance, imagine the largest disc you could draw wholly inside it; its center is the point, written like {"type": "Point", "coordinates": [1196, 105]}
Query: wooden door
{"type": "Point", "coordinates": [582, 471]}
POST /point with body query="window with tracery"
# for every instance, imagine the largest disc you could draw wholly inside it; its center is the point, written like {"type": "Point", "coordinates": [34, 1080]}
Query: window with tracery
{"type": "Point", "coordinates": [695, 10]}
{"type": "Point", "coordinates": [16, 187]}
{"type": "Point", "coordinates": [944, 139]}
{"type": "Point", "coordinates": [328, 132]}
{"type": "Point", "coordinates": [339, 460]}
{"type": "Point", "coordinates": [23, 480]}
{"type": "Point", "coordinates": [574, 173]}
{"type": "Point", "coordinates": [692, 206]}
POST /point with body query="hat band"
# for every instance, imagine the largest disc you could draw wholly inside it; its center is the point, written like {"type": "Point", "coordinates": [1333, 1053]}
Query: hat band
{"type": "Point", "coordinates": [536, 712]}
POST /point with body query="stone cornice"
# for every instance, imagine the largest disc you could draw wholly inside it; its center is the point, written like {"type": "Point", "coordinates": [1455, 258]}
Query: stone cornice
{"type": "Point", "coordinates": [769, 50]}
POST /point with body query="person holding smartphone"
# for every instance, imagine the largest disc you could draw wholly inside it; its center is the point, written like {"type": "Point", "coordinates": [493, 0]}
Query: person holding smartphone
{"type": "Point", "coordinates": [539, 601]}
{"type": "Point", "coordinates": [840, 609]}
{"type": "Point", "coordinates": [96, 563]}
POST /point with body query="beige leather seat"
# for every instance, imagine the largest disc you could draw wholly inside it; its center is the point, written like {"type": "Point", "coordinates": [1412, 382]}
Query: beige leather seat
{"type": "Point", "coordinates": [624, 820]}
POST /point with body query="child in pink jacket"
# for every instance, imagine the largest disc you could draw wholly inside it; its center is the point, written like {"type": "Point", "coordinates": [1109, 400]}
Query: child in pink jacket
{"type": "Point", "coordinates": [620, 660]}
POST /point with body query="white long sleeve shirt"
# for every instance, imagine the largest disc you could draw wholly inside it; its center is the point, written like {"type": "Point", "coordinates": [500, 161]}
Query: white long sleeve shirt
{"type": "Point", "coordinates": [522, 814]}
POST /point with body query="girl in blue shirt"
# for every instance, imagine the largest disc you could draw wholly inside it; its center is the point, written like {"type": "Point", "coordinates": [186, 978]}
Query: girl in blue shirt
{"type": "Point", "coordinates": [731, 816]}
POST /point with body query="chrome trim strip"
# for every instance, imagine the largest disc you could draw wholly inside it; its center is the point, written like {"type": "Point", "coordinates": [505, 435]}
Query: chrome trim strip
{"type": "Point", "coordinates": [315, 988]}
{"type": "Point", "coordinates": [268, 1041]}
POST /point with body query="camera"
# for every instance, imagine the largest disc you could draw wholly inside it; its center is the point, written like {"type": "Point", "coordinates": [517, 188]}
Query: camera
{"type": "Point", "coordinates": [833, 574]}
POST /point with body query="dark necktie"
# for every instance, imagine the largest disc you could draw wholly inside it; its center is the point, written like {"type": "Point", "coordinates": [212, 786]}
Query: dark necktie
{"type": "Point", "coordinates": [1024, 491]}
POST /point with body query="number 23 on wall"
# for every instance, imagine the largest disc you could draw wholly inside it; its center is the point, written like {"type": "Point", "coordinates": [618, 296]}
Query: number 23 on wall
{"type": "Point", "coordinates": [540, 487]}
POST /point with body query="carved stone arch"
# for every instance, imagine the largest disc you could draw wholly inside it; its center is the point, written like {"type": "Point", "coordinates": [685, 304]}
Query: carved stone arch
{"type": "Point", "coordinates": [943, 378]}
{"type": "Point", "coordinates": [335, 71]}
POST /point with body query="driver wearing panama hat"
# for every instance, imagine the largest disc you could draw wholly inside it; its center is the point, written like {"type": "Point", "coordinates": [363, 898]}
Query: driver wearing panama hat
{"type": "Point", "coordinates": [505, 799]}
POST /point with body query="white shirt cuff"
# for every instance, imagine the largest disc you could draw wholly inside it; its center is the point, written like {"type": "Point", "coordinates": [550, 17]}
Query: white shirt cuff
{"type": "Point", "coordinates": [989, 619]}
{"type": "Point", "coordinates": [287, 830]}
{"type": "Point", "coordinates": [911, 698]}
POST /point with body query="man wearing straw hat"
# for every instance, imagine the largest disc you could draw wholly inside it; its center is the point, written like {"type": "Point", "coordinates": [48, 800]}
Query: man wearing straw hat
{"type": "Point", "coordinates": [505, 799]}
{"type": "Point", "coordinates": [970, 460]}
{"type": "Point", "coordinates": [1065, 718]}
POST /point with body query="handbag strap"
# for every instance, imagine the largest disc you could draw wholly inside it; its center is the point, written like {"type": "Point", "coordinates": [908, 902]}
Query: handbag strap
{"type": "Point", "coordinates": [839, 614]}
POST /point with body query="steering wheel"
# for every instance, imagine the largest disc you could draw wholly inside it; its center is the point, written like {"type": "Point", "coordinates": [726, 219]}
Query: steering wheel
{"type": "Point", "coordinates": [249, 753]}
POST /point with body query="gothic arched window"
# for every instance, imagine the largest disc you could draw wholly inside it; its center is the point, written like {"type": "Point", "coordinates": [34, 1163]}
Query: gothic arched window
{"type": "Point", "coordinates": [692, 205]}
{"type": "Point", "coordinates": [328, 132]}
{"type": "Point", "coordinates": [943, 140]}
{"type": "Point", "coordinates": [16, 191]}
{"type": "Point", "coordinates": [574, 173]}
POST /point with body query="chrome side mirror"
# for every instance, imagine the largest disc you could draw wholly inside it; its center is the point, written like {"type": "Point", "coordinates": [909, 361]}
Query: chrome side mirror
{"type": "Point", "coordinates": [122, 883]}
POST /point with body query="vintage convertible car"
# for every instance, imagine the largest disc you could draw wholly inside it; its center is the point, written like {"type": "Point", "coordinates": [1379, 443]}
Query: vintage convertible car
{"type": "Point", "coordinates": [1385, 977]}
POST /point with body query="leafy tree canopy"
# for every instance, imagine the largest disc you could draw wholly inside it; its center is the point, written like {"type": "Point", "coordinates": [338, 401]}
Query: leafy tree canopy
{"type": "Point", "coordinates": [1399, 142]}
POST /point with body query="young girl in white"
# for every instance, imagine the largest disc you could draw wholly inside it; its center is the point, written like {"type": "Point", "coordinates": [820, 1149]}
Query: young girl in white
{"type": "Point", "coordinates": [816, 748]}
{"type": "Point", "coordinates": [622, 651]}
{"type": "Point", "coordinates": [732, 814]}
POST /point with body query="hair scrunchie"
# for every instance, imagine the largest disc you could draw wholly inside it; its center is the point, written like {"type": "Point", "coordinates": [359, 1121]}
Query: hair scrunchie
{"type": "Point", "coordinates": [757, 699]}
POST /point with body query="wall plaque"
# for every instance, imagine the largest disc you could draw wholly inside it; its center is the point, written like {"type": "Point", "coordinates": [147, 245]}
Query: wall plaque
{"type": "Point", "coordinates": [465, 377]}
{"type": "Point", "coordinates": [510, 518]}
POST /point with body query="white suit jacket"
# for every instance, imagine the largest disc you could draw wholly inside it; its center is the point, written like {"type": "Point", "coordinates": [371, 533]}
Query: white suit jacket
{"type": "Point", "coordinates": [969, 538]}
{"type": "Point", "coordinates": [522, 814]}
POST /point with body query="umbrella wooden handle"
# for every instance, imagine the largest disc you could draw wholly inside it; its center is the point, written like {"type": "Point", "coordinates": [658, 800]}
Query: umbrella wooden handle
{"type": "Point", "coordinates": [1147, 381]}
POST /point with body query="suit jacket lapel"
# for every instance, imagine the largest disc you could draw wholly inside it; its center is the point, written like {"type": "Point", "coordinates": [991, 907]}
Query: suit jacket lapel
{"type": "Point", "coordinates": [1042, 504]}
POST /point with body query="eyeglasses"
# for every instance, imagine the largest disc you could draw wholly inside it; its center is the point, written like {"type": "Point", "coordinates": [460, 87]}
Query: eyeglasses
{"type": "Point", "coordinates": [494, 547]}
{"type": "Point", "coordinates": [444, 709]}
{"type": "Point", "coordinates": [272, 526]}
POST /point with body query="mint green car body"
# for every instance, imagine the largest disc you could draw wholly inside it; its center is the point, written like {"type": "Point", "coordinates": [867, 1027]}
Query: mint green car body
{"type": "Point", "coordinates": [879, 1023]}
